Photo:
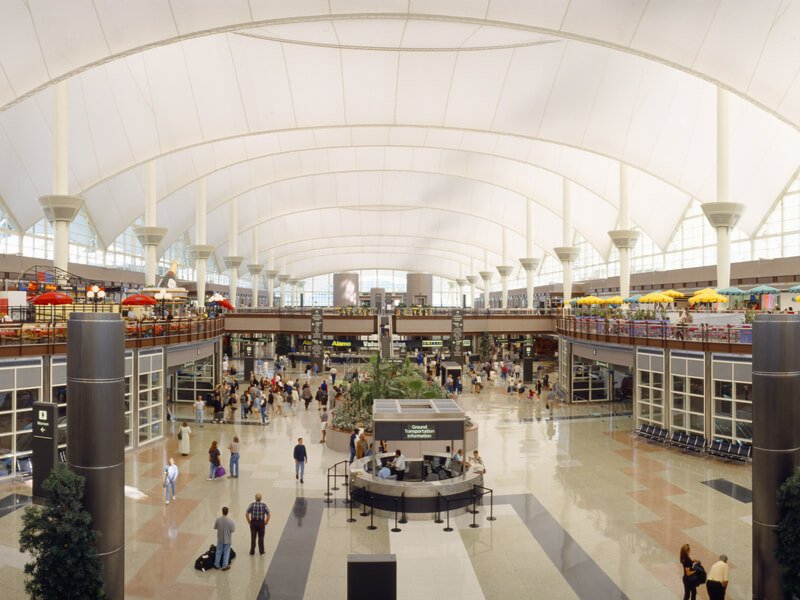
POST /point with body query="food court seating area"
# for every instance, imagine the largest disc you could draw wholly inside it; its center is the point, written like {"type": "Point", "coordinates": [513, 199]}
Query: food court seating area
{"type": "Point", "coordinates": [688, 442]}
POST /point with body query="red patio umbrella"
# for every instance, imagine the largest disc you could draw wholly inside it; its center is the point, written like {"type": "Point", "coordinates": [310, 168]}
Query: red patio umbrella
{"type": "Point", "coordinates": [52, 298]}
{"type": "Point", "coordinates": [225, 303]}
{"type": "Point", "coordinates": [139, 300]}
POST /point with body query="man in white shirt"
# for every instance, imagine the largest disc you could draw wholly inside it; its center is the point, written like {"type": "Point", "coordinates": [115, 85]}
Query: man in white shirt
{"type": "Point", "coordinates": [717, 579]}
{"type": "Point", "coordinates": [399, 465]}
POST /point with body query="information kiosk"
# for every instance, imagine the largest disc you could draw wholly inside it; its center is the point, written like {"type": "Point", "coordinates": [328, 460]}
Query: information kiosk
{"type": "Point", "coordinates": [428, 434]}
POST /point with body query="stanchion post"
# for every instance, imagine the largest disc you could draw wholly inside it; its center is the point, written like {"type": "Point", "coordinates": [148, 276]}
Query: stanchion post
{"type": "Point", "coordinates": [491, 516]}
{"type": "Point", "coordinates": [364, 512]}
{"type": "Point", "coordinates": [474, 525]}
{"type": "Point", "coordinates": [403, 520]}
{"type": "Point", "coordinates": [328, 494]}
{"type": "Point", "coordinates": [351, 519]}
{"type": "Point", "coordinates": [447, 505]}
{"type": "Point", "coordinates": [395, 529]}
{"type": "Point", "coordinates": [335, 476]}
{"type": "Point", "coordinates": [371, 526]}
{"type": "Point", "coordinates": [474, 496]}
{"type": "Point", "coordinates": [438, 519]}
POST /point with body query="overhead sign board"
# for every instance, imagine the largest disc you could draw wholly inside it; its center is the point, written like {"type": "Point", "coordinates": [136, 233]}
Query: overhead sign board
{"type": "Point", "coordinates": [316, 338]}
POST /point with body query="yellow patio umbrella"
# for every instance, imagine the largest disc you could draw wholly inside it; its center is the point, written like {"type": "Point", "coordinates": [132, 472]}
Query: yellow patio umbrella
{"type": "Point", "coordinates": [797, 298]}
{"type": "Point", "coordinates": [705, 291]}
{"type": "Point", "coordinates": [589, 300]}
{"type": "Point", "coordinates": [613, 300]}
{"type": "Point", "coordinates": [674, 294]}
{"type": "Point", "coordinates": [655, 298]}
{"type": "Point", "coordinates": [709, 297]}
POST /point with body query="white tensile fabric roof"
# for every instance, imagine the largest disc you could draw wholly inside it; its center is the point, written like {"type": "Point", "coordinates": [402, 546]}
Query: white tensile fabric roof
{"type": "Point", "coordinates": [396, 134]}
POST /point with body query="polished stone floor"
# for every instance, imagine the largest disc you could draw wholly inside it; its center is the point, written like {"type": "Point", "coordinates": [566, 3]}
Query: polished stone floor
{"type": "Point", "coordinates": [583, 511]}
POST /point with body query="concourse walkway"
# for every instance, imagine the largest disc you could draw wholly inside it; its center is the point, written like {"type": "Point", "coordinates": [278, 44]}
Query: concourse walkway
{"type": "Point", "coordinates": [583, 511]}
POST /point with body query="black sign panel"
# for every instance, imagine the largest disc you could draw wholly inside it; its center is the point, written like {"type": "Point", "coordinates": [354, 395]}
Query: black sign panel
{"type": "Point", "coordinates": [394, 431]}
{"type": "Point", "coordinates": [316, 338]}
{"type": "Point", "coordinates": [457, 335]}
{"type": "Point", "coordinates": [45, 443]}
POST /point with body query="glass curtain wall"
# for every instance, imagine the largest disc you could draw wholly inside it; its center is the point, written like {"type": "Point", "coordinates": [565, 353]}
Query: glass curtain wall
{"type": "Point", "coordinates": [151, 398]}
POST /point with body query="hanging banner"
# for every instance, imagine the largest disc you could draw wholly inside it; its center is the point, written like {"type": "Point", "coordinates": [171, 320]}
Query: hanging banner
{"type": "Point", "coordinates": [316, 338]}
{"type": "Point", "coordinates": [457, 336]}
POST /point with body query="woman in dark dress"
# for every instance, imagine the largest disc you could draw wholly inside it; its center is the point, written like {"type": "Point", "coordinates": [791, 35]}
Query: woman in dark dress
{"type": "Point", "coordinates": [689, 588]}
{"type": "Point", "coordinates": [214, 460]}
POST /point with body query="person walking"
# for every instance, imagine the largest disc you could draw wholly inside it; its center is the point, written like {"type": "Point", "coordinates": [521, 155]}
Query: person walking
{"type": "Point", "coordinates": [717, 581]}
{"type": "Point", "coordinates": [257, 516]}
{"type": "Point", "coordinates": [353, 439]}
{"type": "Point", "coordinates": [687, 564]}
{"type": "Point", "coordinates": [199, 407]}
{"type": "Point", "coordinates": [225, 528]}
{"type": "Point", "coordinates": [323, 424]}
{"type": "Point", "coordinates": [214, 460]}
{"type": "Point", "coordinates": [300, 459]}
{"type": "Point", "coordinates": [333, 375]}
{"type": "Point", "coordinates": [263, 408]}
{"type": "Point", "coordinates": [170, 477]}
{"type": "Point", "coordinates": [234, 460]}
{"type": "Point", "coordinates": [183, 439]}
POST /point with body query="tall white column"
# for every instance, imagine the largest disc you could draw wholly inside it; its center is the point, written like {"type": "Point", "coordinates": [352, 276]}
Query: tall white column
{"type": "Point", "coordinates": [566, 253]}
{"type": "Point", "coordinates": [150, 235]}
{"type": "Point", "coordinates": [282, 279]}
{"type": "Point", "coordinates": [255, 268]}
{"type": "Point", "coordinates": [60, 208]}
{"type": "Point", "coordinates": [504, 269]}
{"type": "Point", "coordinates": [200, 251]}
{"type": "Point", "coordinates": [486, 276]}
{"type": "Point", "coordinates": [624, 238]}
{"type": "Point", "coordinates": [233, 261]}
{"type": "Point", "coordinates": [529, 263]}
{"type": "Point", "coordinates": [722, 214]}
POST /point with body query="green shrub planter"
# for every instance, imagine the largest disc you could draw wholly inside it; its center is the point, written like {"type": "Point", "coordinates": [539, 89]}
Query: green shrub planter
{"type": "Point", "coordinates": [788, 552]}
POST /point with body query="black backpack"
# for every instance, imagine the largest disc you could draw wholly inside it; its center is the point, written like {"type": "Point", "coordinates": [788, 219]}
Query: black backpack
{"type": "Point", "coordinates": [699, 576]}
{"type": "Point", "coordinates": [205, 561]}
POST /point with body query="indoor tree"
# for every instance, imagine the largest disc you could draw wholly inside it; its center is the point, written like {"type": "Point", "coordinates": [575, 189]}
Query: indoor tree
{"type": "Point", "coordinates": [788, 552]}
{"type": "Point", "coordinates": [61, 542]}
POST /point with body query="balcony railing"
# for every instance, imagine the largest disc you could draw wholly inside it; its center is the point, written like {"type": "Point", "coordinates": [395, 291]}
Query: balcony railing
{"type": "Point", "coordinates": [137, 333]}
{"type": "Point", "coordinates": [414, 311]}
{"type": "Point", "coordinates": [304, 311]}
{"type": "Point", "coordinates": [665, 331]}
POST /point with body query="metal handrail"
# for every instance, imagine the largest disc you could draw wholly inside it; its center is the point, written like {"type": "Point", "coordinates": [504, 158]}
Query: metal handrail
{"type": "Point", "coordinates": [655, 330]}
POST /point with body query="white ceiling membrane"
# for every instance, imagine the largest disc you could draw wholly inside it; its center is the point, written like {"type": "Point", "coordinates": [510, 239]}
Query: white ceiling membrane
{"type": "Point", "coordinates": [464, 108]}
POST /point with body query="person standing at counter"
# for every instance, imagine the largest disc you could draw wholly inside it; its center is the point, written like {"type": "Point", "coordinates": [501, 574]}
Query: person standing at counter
{"type": "Point", "coordinates": [477, 463]}
{"type": "Point", "coordinates": [399, 465]}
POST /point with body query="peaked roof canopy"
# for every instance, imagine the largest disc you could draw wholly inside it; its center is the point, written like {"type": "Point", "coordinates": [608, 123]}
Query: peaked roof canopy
{"type": "Point", "coordinates": [380, 133]}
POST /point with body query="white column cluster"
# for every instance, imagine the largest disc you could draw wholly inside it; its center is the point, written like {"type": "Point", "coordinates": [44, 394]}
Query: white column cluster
{"type": "Point", "coordinates": [624, 238]}
{"type": "Point", "coordinates": [233, 261]}
{"type": "Point", "coordinates": [566, 253]}
{"type": "Point", "coordinates": [200, 251]}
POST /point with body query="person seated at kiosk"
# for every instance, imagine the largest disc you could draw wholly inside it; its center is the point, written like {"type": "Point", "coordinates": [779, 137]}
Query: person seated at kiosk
{"type": "Point", "coordinates": [384, 472]}
{"type": "Point", "coordinates": [398, 465]}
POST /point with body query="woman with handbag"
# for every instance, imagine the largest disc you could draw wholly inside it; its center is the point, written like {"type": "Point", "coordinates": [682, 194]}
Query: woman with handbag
{"type": "Point", "coordinates": [687, 564]}
{"type": "Point", "coordinates": [183, 439]}
{"type": "Point", "coordinates": [214, 460]}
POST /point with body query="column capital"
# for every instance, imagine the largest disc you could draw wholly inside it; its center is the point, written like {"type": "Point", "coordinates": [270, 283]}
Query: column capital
{"type": "Point", "coordinates": [473, 279]}
{"type": "Point", "coordinates": [624, 238]}
{"type": "Point", "coordinates": [723, 214]}
{"type": "Point", "coordinates": [566, 253]}
{"type": "Point", "coordinates": [462, 282]}
{"type": "Point", "coordinates": [150, 236]}
{"type": "Point", "coordinates": [60, 208]}
{"type": "Point", "coordinates": [505, 270]}
{"type": "Point", "coordinates": [271, 273]}
{"type": "Point", "coordinates": [530, 264]}
{"type": "Point", "coordinates": [232, 262]}
{"type": "Point", "coordinates": [254, 269]}
{"type": "Point", "coordinates": [301, 283]}
{"type": "Point", "coordinates": [291, 281]}
{"type": "Point", "coordinates": [486, 276]}
{"type": "Point", "coordinates": [283, 277]}
{"type": "Point", "coordinates": [200, 251]}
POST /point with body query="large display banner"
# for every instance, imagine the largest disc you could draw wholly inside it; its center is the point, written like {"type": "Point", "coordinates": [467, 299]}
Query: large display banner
{"type": "Point", "coordinates": [316, 339]}
{"type": "Point", "coordinates": [457, 336]}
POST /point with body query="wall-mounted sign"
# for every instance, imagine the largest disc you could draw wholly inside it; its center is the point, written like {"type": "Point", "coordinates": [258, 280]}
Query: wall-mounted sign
{"type": "Point", "coordinates": [432, 343]}
{"type": "Point", "coordinates": [341, 344]}
{"type": "Point", "coordinates": [419, 431]}
{"type": "Point", "coordinates": [316, 338]}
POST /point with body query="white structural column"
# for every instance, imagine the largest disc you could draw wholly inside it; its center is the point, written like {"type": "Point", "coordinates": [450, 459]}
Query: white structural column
{"type": "Point", "coordinates": [149, 235]}
{"type": "Point", "coordinates": [529, 263]}
{"type": "Point", "coordinates": [271, 274]}
{"type": "Point", "coordinates": [486, 275]}
{"type": "Point", "coordinates": [723, 215]}
{"type": "Point", "coordinates": [283, 278]}
{"type": "Point", "coordinates": [624, 238]}
{"type": "Point", "coordinates": [566, 253]}
{"type": "Point", "coordinates": [255, 268]}
{"type": "Point", "coordinates": [473, 283]}
{"type": "Point", "coordinates": [292, 290]}
{"type": "Point", "coordinates": [60, 208]}
{"type": "Point", "coordinates": [233, 261]}
{"type": "Point", "coordinates": [201, 251]}
{"type": "Point", "coordinates": [301, 284]}
{"type": "Point", "coordinates": [504, 269]}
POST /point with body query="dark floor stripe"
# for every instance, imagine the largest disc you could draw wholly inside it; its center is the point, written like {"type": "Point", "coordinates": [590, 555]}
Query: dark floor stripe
{"type": "Point", "coordinates": [735, 491]}
{"type": "Point", "coordinates": [288, 570]}
{"type": "Point", "coordinates": [584, 575]}
{"type": "Point", "coordinates": [13, 502]}
{"type": "Point", "coordinates": [566, 418]}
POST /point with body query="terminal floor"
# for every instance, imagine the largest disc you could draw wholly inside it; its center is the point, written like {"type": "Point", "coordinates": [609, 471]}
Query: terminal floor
{"type": "Point", "coordinates": [583, 511]}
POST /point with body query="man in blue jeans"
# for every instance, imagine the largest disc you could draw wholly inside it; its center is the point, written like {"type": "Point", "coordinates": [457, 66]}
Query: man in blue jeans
{"type": "Point", "coordinates": [225, 528]}
{"type": "Point", "coordinates": [300, 458]}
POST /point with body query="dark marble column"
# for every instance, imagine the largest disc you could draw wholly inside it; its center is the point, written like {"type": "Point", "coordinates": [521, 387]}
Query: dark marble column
{"type": "Point", "coordinates": [776, 438]}
{"type": "Point", "coordinates": [95, 432]}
